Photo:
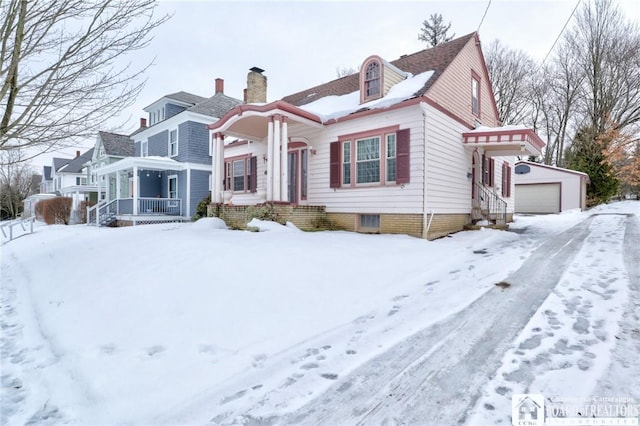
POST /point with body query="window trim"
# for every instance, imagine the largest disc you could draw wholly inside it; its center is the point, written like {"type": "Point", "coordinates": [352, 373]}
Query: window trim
{"type": "Point", "coordinates": [352, 138]}
{"type": "Point", "coordinates": [169, 179]}
{"type": "Point", "coordinates": [363, 228]}
{"type": "Point", "coordinates": [228, 173]}
{"type": "Point", "coordinates": [364, 81]}
{"type": "Point", "coordinates": [475, 78]}
{"type": "Point", "coordinates": [169, 154]}
{"type": "Point", "coordinates": [144, 148]}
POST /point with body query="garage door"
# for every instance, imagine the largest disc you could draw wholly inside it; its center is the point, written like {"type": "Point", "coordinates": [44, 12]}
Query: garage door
{"type": "Point", "coordinates": [538, 198]}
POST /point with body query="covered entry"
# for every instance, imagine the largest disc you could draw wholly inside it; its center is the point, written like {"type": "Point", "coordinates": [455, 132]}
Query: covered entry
{"type": "Point", "coordinates": [537, 198]}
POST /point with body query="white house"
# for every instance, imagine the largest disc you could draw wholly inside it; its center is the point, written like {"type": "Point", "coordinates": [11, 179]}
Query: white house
{"type": "Point", "coordinates": [546, 189]}
{"type": "Point", "coordinates": [408, 146]}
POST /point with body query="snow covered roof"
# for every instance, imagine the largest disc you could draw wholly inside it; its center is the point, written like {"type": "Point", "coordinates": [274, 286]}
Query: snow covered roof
{"type": "Point", "coordinates": [147, 163]}
{"type": "Point", "coordinates": [334, 107]}
{"type": "Point", "coordinates": [435, 59]}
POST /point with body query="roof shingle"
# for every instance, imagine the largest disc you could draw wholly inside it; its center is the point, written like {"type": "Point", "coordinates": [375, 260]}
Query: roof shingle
{"type": "Point", "coordinates": [436, 58]}
{"type": "Point", "coordinates": [118, 145]}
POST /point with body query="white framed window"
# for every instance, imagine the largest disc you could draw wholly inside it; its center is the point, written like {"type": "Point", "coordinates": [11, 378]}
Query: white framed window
{"type": "Point", "coordinates": [475, 96]}
{"type": "Point", "coordinates": [391, 157]}
{"type": "Point", "coordinates": [372, 80]}
{"type": "Point", "coordinates": [172, 186]}
{"type": "Point", "coordinates": [173, 142]}
{"type": "Point", "coordinates": [368, 160]}
{"type": "Point", "coordinates": [346, 163]}
{"type": "Point", "coordinates": [144, 148]}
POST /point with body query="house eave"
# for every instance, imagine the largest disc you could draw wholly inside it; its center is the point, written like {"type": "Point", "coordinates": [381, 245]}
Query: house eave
{"type": "Point", "coordinates": [504, 141]}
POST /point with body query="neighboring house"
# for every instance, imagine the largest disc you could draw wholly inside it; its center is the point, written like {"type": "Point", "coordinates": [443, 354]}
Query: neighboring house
{"type": "Point", "coordinates": [46, 184]}
{"type": "Point", "coordinates": [546, 189]}
{"type": "Point", "coordinates": [170, 172]}
{"type": "Point", "coordinates": [71, 179]}
{"type": "Point", "coordinates": [409, 146]}
{"type": "Point", "coordinates": [108, 149]}
{"type": "Point", "coordinates": [31, 201]}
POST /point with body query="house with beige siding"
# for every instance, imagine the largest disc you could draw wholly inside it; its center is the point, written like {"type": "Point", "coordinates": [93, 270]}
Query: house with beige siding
{"type": "Point", "coordinates": [413, 146]}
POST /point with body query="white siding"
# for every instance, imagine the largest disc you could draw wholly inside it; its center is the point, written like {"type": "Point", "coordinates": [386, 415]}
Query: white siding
{"type": "Point", "coordinates": [448, 165]}
{"type": "Point", "coordinates": [378, 199]}
{"type": "Point", "coordinates": [258, 149]}
{"type": "Point", "coordinates": [571, 184]}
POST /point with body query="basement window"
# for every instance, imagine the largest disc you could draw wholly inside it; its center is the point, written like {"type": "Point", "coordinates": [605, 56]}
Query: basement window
{"type": "Point", "coordinates": [369, 222]}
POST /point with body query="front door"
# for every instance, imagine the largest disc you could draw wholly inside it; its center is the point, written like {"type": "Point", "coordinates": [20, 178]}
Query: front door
{"type": "Point", "coordinates": [297, 182]}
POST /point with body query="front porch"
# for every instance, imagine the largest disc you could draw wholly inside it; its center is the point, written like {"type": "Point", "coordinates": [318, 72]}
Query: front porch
{"type": "Point", "coordinates": [149, 210]}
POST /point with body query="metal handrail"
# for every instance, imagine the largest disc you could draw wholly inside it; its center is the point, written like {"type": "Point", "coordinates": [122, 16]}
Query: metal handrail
{"type": "Point", "coordinates": [11, 224]}
{"type": "Point", "coordinates": [491, 203]}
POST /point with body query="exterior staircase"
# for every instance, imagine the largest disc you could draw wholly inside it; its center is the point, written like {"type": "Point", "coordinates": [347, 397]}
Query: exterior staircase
{"type": "Point", "coordinates": [487, 210]}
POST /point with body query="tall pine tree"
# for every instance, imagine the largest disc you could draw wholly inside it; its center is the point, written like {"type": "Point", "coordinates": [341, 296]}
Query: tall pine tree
{"type": "Point", "coordinates": [434, 31]}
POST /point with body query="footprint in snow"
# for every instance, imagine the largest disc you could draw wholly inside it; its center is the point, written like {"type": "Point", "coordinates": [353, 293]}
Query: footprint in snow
{"type": "Point", "coordinates": [329, 376]}
{"type": "Point", "coordinates": [155, 350]}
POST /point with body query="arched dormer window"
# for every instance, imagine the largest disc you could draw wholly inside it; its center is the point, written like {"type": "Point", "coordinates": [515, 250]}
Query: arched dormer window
{"type": "Point", "coordinates": [372, 80]}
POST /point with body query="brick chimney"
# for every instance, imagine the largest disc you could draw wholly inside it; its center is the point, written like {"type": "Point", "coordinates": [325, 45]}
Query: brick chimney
{"type": "Point", "coordinates": [219, 85]}
{"type": "Point", "coordinates": [143, 122]}
{"type": "Point", "coordinates": [256, 86]}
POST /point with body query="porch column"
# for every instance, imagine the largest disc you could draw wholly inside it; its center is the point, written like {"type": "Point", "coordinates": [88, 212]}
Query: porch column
{"type": "Point", "coordinates": [277, 143]}
{"type": "Point", "coordinates": [107, 184]}
{"type": "Point", "coordinates": [284, 162]}
{"type": "Point", "coordinates": [188, 203]}
{"type": "Point", "coordinates": [136, 183]}
{"type": "Point", "coordinates": [270, 159]}
{"type": "Point", "coordinates": [118, 185]}
{"type": "Point", "coordinates": [217, 172]}
{"type": "Point", "coordinates": [220, 165]}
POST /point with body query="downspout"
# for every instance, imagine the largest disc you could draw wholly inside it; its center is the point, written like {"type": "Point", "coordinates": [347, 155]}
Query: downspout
{"type": "Point", "coordinates": [425, 225]}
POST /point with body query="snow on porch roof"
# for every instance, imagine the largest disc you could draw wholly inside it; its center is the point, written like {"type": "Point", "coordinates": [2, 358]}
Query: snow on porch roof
{"type": "Point", "coordinates": [150, 163]}
{"type": "Point", "coordinates": [504, 134]}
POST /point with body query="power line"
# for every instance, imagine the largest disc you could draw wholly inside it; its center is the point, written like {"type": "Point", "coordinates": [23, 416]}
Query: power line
{"type": "Point", "coordinates": [561, 31]}
{"type": "Point", "coordinates": [485, 14]}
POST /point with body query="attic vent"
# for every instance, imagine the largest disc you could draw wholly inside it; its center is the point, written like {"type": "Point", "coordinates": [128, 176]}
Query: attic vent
{"type": "Point", "coordinates": [522, 169]}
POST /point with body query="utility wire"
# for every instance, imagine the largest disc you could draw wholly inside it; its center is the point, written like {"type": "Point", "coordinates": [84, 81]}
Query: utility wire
{"type": "Point", "coordinates": [561, 31]}
{"type": "Point", "coordinates": [485, 14]}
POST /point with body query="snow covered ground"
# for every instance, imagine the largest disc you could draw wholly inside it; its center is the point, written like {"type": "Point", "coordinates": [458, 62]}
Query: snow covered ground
{"type": "Point", "coordinates": [194, 324]}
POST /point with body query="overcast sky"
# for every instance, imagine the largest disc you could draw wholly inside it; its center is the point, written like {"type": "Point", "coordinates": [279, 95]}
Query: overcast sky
{"type": "Point", "coordinates": [301, 44]}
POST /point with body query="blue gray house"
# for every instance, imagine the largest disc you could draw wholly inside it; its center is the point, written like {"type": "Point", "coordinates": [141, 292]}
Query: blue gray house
{"type": "Point", "coordinates": [170, 171]}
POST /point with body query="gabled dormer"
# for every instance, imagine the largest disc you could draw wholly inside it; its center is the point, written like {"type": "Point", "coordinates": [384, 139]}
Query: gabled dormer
{"type": "Point", "coordinates": [170, 105]}
{"type": "Point", "coordinates": [377, 76]}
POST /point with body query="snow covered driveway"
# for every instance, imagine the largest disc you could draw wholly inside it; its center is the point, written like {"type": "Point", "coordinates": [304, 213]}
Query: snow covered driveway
{"type": "Point", "coordinates": [189, 324]}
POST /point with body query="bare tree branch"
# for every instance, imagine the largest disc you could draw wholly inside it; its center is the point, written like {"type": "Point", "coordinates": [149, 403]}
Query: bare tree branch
{"type": "Point", "coordinates": [64, 69]}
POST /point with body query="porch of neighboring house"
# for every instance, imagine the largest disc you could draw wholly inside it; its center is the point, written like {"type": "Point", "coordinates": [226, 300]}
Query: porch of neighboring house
{"type": "Point", "coordinates": [138, 190]}
{"type": "Point", "coordinates": [488, 207]}
{"type": "Point", "coordinates": [79, 194]}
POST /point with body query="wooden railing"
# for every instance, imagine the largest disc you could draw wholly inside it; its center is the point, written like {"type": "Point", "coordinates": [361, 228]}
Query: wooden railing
{"type": "Point", "coordinates": [166, 206]}
{"type": "Point", "coordinates": [103, 212]}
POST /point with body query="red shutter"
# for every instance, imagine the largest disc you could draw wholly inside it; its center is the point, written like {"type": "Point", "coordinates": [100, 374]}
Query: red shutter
{"type": "Point", "coordinates": [253, 174]}
{"type": "Point", "coordinates": [403, 149]}
{"type": "Point", "coordinates": [492, 165]}
{"type": "Point", "coordinates": [504, 179]}
{"type": "Point", "coordinates": [334, 165]}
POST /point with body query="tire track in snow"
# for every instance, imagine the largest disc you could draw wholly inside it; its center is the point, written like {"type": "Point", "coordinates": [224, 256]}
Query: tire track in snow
{"type": "Point", "coordinates": [434, 376]}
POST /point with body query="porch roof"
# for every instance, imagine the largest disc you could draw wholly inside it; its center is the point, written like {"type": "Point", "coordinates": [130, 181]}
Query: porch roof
{"type": "Point", "coordinates": [250, 121]}
{"type": "Point", "coordinates": [504, 141]}
{"type": "Point", "coordinates": [146, 163]}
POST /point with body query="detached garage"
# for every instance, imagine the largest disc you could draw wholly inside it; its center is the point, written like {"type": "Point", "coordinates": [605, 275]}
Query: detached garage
{"type": "Point", "coordinates": [546, 189]}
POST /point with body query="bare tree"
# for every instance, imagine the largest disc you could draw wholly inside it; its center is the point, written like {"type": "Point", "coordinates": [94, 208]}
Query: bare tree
{"type": "Point", "coordinates": [64, 69]}
{"type": "Point", "coordinates": [555, 104]}
{"type": "Point", "coordinates": [345, 71]}
{"type": "Point", "coordinates": [512, 76]}
{"type": "Point", "coordinates": [606, 47]}
{"type": "Point", "coordinates": [434, 31]}
{"type": "Point", "coordinates": [16, 183]}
